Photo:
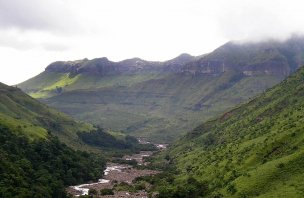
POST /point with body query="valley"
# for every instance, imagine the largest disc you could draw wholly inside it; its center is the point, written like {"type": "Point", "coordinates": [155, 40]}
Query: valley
{"type": "Point", "coordinates": [118, 175]}
{"type": "Point", "coordinates": [162, 101]}
{"type": "Point", "coordinates": [151, 99]}
{"type": "Point", "coordinates": [233, 119]}
{"type": "Point", "coordinates": [253, 150]}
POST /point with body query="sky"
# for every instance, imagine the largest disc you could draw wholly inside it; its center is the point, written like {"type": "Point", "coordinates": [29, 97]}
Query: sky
{"type": "Point", "coordinates": [34, 33]}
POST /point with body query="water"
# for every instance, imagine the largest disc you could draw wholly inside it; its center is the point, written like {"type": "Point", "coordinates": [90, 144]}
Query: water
{"type": "Point", "coordinates": [84, 188]}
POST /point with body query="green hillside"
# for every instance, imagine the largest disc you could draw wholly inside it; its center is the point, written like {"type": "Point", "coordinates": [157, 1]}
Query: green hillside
{"type": "Point", "coordinates": [28, 117]}
{"type": "Point", "coordinates": [254, 150]}
{"type": "Point", "coordinates": [43, 151]}
{"type": "Point", "coordinates": [48, 83]}
{"type": "Point", "coordinates": [25, 115]}
{"type": "Point", "coordinates": [42, 167]}
{"type": "Point", "coordinates": [163, 100]}
{"type": "Point", "coordinates": [34, 162]}
{"type": "Point", "coordinates": [161, 109]}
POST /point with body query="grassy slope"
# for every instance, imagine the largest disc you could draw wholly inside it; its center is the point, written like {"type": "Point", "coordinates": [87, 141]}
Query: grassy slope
{"type": "Point", "coordinates": [162, 106]}
{"type": "Point", "coordinates": [45, 84]}
{"type": "Point", "coordinates": [22, 114]}
{"type": "Point", "coordinates": [253, 150]}
{"type": "Point", "coordinates": [160, 109]}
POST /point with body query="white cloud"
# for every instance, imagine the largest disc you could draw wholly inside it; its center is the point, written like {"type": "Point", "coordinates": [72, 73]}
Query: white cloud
{"type": "Point", "coordinates": [34, 33]}
{"type": "Point", "coordinates": [256, 20]}
{"type": "Point", "coordinates": [49, 15]}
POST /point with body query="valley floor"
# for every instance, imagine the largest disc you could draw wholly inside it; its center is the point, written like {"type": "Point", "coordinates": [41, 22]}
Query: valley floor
{"type": "Point", "coordinates": [119, 174]}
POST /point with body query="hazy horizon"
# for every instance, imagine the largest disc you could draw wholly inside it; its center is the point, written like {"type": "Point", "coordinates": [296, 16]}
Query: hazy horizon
{"type": "Point", "coordinates": [35, 33]}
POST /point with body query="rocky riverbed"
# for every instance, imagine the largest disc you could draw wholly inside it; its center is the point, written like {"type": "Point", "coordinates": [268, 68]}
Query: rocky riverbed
{"type": "Point", "coordinates": [118, 173]}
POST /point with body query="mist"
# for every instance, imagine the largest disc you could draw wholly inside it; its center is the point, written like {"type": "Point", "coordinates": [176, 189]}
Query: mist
{"type": "Point", "coordinates": [33, 34]}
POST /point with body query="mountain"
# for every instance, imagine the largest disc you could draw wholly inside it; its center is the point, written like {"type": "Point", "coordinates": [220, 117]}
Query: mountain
{"type": "Point", "coordinates": [162, 100]}
{"type": "Point", "coordinates": [268, 57]}
{"type": "Point", "coordinates": [63, 76]}
{"type": "Point", "coordinates": [254, 150]}
{"type": "Point", "coordinates": [28, 117]}
{"type": "Point", "coordinates": [43, 151]}
{"type": "Point", "coordinates": [34, 162]}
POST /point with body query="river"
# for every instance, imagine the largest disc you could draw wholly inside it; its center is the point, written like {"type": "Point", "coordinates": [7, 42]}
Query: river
{"type": "Point", "coordinates": [117, 173]}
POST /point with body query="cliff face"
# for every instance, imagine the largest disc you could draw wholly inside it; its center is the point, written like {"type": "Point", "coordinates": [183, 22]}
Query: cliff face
{"type": "Point", "coordinates": [205, 67]}
{"type": "Point", "coordinates": [98, 66]}
{"type": "Point", "coordinates": [103, 66]}
{"type": "Point", "coordinates": [269, 57]}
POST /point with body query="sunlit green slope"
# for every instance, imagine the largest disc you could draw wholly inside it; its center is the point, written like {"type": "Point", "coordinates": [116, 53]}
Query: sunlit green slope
{"type": "Point", "coordinates": [34, 162]}
{"type": "Point", "coordinates": [28, 117]}
{"type": "Point", "coordinates": [256, 149]}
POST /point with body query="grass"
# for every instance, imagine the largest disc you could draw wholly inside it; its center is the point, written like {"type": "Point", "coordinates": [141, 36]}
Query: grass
{"type": "Point", "coordinates": [33, 119]}
{"type": "Point", "coordinates": [254, 150]}
{"type": "Point", "coordinates": [24, 127]}
{"type": "Point", "coordinates": [28, 117]}
{"type": "Point", "coordinates": [163, 106]}
{"type": "Point", "coordinates": [45, 84]}
{"type": "Point", "coordinates": [159, 109]}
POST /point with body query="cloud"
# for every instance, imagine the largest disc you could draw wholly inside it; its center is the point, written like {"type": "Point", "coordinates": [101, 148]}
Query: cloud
{"type": "Point", "coordinates": [55, 47]}
{"type": "Point", "coordinates": [42, 31]}
{"type": "Point", "coordinates": [31, 40]}
{"type": "Point", "coordinates": [36, 15]}
{"type": "Point", "coordinates": [11, 40]}
{"type": "Point", "coordinates": [258, 20]}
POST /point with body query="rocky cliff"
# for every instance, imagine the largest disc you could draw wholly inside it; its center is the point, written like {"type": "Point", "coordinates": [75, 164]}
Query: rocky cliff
{"type": "Point", "coordinates": [268, 57]}
{"type": "Point", "coordinates": [103, 66]}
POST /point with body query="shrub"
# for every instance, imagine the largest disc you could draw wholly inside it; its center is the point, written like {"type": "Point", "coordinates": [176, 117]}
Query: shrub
{"type": "Point", "coordinates": [106, 191]}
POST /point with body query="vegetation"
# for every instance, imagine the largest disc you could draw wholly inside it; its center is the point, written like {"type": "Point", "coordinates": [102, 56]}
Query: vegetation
{"type": "Point", "coordinates": [92, 192]}
{"type": "Point", "coordinates": [42, 168]}
{"type": "Point", "coordinates": [163, 104]}
{"type": "Point", "coordinates": [160, 109]}
{"type": "Point", "coordinates": [256, 149]}
{"type": "Point", "coordinates": [28, 117]}
{"type": "Point", "coordinates": [106, 191]}
{"type": "Point", "coordinates": [34, 161]}
{"type": "Point", "coordinates": [123, 186]}
{"type": "Point", "coordinates": [100, 138]}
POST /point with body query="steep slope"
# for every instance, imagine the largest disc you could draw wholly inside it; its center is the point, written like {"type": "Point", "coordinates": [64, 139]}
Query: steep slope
{"type": "Point", "coordinates": [160, 110]}
{"type": "Point", "coordinates": [34, 163]}
{"type": "Point", "coordinates": [268, 57]}
{"type": "Point", "coordinates": [28, 117]}
{"type": "Point", "coordinates": [42, 167]}
{"type": "Point", "coordinates": [22, 113]}
{"type": "Point", "coordinates": [162, 100]}
{"type": "Point", "coordinates": [64, 76]}
{"type": "Point", "coordinates": [256, 149]}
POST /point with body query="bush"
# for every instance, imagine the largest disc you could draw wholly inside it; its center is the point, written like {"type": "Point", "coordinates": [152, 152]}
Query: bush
{"type": "Point", "coordinates": [92, 192]}
{"type": "Point", "coordinates": [140, 186]}
{"type": "Point", "coordinates": [106, 191]}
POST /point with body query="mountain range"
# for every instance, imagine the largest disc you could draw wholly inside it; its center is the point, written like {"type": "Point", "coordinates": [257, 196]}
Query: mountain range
{"type": "Point", "coordinates": [234, 118]}
{"type": "Point", "coordinates": [162, 100]}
